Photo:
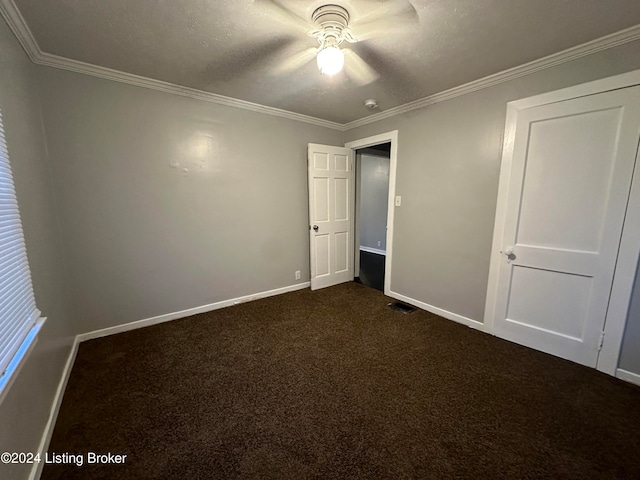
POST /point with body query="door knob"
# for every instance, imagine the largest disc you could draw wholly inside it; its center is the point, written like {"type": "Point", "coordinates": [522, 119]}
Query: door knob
{"type": "Point", "coordinates": [315, 228]}
{"type": "Point", "coordinates": [509, 253]}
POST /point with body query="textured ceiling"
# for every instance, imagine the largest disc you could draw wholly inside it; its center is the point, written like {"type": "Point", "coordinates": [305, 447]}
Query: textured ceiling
{"type": "Point", "coordinates": [236, 48]}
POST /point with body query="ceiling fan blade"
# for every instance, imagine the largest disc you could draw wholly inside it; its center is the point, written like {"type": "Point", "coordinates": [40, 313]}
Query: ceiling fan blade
{"type": "Point", "coordinates": [358, 69]}
{"type": "Point", "coordinates": [395, 78]}
{"type": "Point", "coordinates": [285, 15]}
{"type": "Point", "coordinates": [244, 58]}
{"type": "Point", "coordinates": [295, 62]}
{"type": "Point", "coordinates": [387, 19]}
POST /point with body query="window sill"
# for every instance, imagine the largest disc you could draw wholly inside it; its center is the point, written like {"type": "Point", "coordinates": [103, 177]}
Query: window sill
{"type": "Point", "coordinates": [19, 358]}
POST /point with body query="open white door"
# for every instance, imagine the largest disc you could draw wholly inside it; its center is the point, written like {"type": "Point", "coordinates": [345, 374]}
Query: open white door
{"type": "Point", "coordinates": [568, 174]}
{"type": "Point", "coordinates": [330, 215]}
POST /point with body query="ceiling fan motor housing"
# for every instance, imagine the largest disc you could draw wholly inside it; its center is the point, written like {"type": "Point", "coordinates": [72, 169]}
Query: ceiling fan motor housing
{"type": "Point", "coordinates": [331, 15]}
{"type": "Point", "coordinates": [332, 21]}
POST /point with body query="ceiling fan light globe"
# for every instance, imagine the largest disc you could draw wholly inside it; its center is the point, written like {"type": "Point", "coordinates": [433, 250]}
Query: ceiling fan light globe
{"type": "Point", "coordinates": [330, 60]}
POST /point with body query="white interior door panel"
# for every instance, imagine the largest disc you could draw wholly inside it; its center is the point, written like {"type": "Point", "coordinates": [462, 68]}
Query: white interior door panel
{"type": "Point", "coordinates": [569, 184]}
{"type": "Point", "coordinates": [330, 215]}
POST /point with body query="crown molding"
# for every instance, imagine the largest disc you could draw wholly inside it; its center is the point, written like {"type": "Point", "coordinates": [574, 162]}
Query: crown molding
{"type": "Point", "coordinates": [573, 53]}
{"type": "Point", "coordinates": [56, 61]}
{"type": "Point", "coordinates": [20, 29]}
{"type": "Point", "coordinates": [16, 22]}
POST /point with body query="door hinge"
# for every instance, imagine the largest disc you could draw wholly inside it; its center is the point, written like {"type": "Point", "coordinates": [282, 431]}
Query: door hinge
{"type": "Point", "coordinates": [601, 341]}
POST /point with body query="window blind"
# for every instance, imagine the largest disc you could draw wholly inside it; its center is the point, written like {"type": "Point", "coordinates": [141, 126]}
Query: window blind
{"type": "Point", "coordinates": [18, 312]}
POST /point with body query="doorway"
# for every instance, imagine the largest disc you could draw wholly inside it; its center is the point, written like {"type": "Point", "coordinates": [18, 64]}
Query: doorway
{"type": "Point", "coordinates": [371, 210]}
{"type": "Point", "coordinates": [390, 142]}
{"type": "Point", "coordinates": [331, 183]}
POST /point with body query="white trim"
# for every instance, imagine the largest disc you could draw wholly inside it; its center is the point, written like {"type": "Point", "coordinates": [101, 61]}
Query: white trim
{"type": "Point", "coordinates": [131, 79]}
{"type": "Point", "coordinates": [615, 82]}
{"type": "Point", "coordinates": [469, 322]}
{"type": "Point", "coordinates": [623, 279]}
{"type": "Point", "coordinates": [20, 357]}
{"type": "Point", "coordinates": [19, 27]}
{"type": "Point", "coordinates": [377, 251]}
{"type": "Point", "coordinates": [630, 243]}
{"type": "Point", "coordinates": [188, 312]}
{"type": "Point", "coordinates": [21, 30]}
{"type": "Point", "coordinates": [501, 211]}
{"type": "Point", "coordinates": [628, 376]}
{"type": "Point", "coordinates": [36, 469]}
{"type": "Point", "coordinates": [357, 173]}
{"type": "Point", "coordinates": [387, 137]}
{"type": "Point", "coordinates": [609, 41]}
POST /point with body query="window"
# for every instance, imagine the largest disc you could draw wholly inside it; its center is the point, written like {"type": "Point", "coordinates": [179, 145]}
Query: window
{"type": "Point", "coordinates": [19, 318]}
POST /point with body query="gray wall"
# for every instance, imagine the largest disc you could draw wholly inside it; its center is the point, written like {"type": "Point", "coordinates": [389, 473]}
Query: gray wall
{"type": "Point", "coordinates": [374, 195]}
{"type": "Point", "coordinates": [447, 175]}
{"type": "Point", "coordinates": [146, 239]}
{"type": "Point", "coordinates": [25, 410]}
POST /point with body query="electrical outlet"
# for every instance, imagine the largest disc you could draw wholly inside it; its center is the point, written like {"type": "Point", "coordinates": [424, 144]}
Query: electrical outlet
{"type": "Point", "coordinates": [398, 200]}
{"type": "Point", "coordinates": [297, 274]}
{"type": "Point", "coordinates": [379, 243]}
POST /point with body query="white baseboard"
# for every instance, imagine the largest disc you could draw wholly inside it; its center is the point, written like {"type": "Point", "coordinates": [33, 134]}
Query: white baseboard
{"type": "Point", "coordinates": [628, 376]}
{"type": "Point", "coordinates": [187, 313]}
{"type": "Point", "coordinates": [440, 312]}
{"type": "Point", "coordinates": [36, 470]}
{"type": "Point", "coordinates": [377, 251]}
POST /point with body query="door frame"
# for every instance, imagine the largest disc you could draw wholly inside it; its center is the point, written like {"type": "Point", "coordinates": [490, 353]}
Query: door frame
{"type": "Point", "coordinates": [388, 137]}
{"type": "Point", "coordinates": [629, 249]}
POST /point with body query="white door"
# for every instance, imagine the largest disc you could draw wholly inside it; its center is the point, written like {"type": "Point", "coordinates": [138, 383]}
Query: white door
{"type": "Point", "coordinates": [569, 183]}
{"type": "Point", "coordinates": [330, 215]}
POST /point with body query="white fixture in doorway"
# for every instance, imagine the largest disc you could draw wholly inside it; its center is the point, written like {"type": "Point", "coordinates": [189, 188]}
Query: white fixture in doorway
{"type": "Point", "coordinates": [567, 232]}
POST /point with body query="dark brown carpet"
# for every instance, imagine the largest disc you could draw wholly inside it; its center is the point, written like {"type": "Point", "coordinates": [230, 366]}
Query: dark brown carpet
{"type": "Point", "coordinates": [334, 384]}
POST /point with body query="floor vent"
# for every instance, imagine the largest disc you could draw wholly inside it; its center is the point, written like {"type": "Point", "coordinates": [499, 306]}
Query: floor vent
{"type": "Point", "coordinates": [401, 307]}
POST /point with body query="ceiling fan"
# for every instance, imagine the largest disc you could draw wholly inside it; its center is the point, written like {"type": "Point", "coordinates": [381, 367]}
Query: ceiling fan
{"type": "Point", "coordinates": [332, 26]}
